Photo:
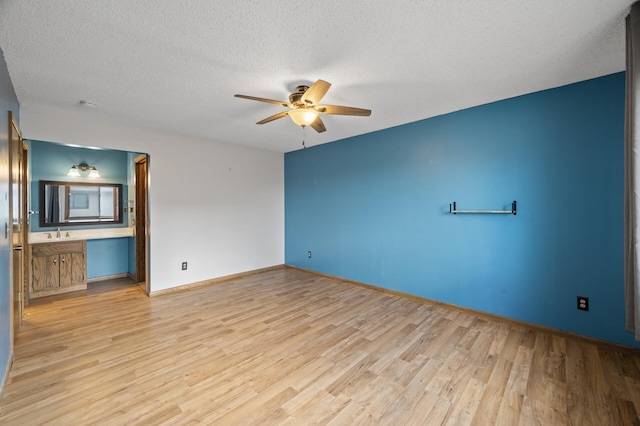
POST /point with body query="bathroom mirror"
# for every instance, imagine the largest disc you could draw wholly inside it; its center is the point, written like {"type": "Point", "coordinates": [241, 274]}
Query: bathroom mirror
{"type": "Point", "coordinates": [79, 203]}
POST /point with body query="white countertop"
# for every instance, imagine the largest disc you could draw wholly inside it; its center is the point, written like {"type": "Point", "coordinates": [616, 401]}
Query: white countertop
{"type": "Point", "coordinates": [79, 234]}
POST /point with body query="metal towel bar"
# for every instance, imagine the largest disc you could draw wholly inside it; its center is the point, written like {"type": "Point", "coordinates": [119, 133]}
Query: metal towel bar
{"type": "Point", "coordinates": [513, 210]}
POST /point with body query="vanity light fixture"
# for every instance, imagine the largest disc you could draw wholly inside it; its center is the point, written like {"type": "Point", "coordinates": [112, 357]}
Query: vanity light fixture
{"type": "Point", "coordinates": [75, 170]}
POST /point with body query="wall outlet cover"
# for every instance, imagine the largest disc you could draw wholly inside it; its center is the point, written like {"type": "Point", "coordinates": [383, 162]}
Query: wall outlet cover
{"type": "Point", "coordinates": [583, 303]}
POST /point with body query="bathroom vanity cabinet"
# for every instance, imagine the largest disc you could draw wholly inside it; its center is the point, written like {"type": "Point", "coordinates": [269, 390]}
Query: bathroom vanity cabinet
{"type": "Point", "coordinates": [58, 267]}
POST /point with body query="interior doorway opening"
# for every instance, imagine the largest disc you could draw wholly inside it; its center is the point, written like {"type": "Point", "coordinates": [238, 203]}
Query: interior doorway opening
{"type": "Point", "coordinates": [110, 247]}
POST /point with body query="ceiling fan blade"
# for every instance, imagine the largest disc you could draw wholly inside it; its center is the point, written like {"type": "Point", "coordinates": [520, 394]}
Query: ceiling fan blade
{"type": "Point", "coordinates": [343, 110]}
{"type": "Point", "coordinates": [314, 93]}
{"type": "Point", "coordinates": [273, 117]}
{"type": "Point", "coordinates": [269, 101]}
{"type": "Point", "coordinates": [318, 125]}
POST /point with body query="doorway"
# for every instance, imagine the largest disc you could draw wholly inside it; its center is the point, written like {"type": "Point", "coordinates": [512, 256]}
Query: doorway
{"type": "Point", "coordinates": [140, 221]}
{"type": "Point", "coordinates": [107, 258]}
{"type": "Point", "coordinates": [18, 206]}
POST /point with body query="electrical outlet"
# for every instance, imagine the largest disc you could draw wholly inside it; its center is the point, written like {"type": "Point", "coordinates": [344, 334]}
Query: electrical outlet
{"type": "Point", "coordinates": [583, 303]}
{"type": "Point", "coordinates": [184, 266]}
{"type": "Point", "coordinates": [309, 254]}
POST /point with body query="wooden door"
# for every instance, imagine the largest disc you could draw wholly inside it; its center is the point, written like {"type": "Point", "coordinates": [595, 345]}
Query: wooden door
{"type": "Point", "coordinates": [26, 252]}
{"type": "Point", "coordinates": [17, 210]}
{"type": "Point", "coordinates": [141, 220]}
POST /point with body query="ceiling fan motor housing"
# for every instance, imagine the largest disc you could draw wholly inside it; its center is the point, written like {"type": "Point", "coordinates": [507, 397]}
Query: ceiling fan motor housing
{"type": "Point", "coordinates": [295, 97]}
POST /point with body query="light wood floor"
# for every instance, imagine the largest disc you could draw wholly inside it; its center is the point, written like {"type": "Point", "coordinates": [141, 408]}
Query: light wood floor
{"type": "Point", "coordinates": [291, 347]}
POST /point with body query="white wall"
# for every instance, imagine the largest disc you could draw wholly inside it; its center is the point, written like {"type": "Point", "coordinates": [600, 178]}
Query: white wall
{"type": "Point", "coordinates": [218, 206]}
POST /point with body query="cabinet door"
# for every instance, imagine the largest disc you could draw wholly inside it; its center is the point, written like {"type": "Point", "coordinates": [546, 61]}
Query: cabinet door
{"type": "Point", "coordinates": [78, 266]}
{"type": "Point", "coordinates": [65, 269]}
{"type": "Point", "coordinates": [38, 273]}
{"type": "Point", "coordinates": [52, 276]}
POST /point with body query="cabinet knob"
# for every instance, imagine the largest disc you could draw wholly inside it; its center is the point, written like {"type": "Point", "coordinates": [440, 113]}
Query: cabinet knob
{"type": "Point", "coordinates": [62, 258]}
{"type": "Point", "coordinates": [55, 260]}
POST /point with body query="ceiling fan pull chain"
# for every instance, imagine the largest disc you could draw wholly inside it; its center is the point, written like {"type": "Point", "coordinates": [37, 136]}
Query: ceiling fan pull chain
{"type": "Point", "coordinates": [303, 135]}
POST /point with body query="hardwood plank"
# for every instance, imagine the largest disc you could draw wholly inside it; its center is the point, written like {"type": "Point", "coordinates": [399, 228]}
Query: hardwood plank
{"type": "Point", "coordinates": [286, 346]}
{"type": "Point", "coordinates": [491, 399]}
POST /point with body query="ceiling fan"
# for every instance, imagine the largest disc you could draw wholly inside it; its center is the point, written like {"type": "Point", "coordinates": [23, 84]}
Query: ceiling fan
{"type": "Point", "coordinates": [304, 109]}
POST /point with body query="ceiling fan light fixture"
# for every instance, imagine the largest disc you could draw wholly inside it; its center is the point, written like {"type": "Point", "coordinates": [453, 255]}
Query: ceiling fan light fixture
{"type": "Point", "coordinates": [303, 116]}
{"type": "Point", "coordinates": [304, 108]}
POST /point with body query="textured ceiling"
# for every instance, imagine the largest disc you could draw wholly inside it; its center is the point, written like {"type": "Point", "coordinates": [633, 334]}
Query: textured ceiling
{"type": "Point", "coordinates": [175, 65]}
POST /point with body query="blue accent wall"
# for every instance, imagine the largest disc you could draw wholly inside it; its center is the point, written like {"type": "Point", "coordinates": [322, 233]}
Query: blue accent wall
{"type": "Point", "coordinates": [131, 173]}
{"type": "Point", "coordinates": [131, 247]}
{"type": "Point", "coordinates": [8, 102]}
{"type": "Point", "coordinates": [375, 208]}
{"type": "Point", "coordinates": [108, 256]}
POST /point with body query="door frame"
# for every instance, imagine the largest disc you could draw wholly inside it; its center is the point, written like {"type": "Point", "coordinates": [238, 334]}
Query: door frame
{"type": "Point", "coordinates": [26, 218]}
{"type": "Point", "coordinates": [143, 158]}
{"type": "Point", "coordinates": [22, 270]}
